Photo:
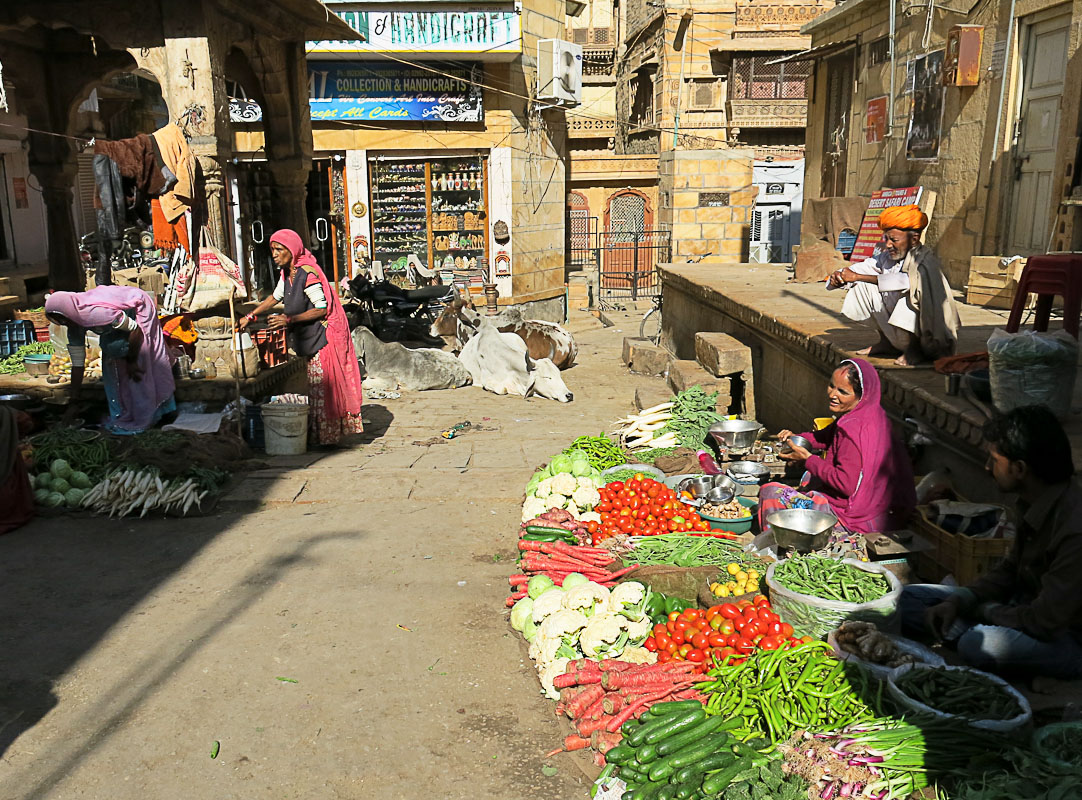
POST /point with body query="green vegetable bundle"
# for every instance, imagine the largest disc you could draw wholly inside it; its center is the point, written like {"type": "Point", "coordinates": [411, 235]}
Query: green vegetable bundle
{"type": "Point", "coordinates": [84, 451]}
{"type": "Point", "coordinates": [13, 364]}
{"type": "Point", "coordinates": [830, 579]}
{"type": "Point", "coordinates": [959, 692]}
{"type": "Point", "coordinates": [676, 750]}
{"type": "Point", "coordinates": [601, 451]}
{"type": "Point", "coordinates": [777, 692]}
{"type": "Point", "coordinates": [693, 413]}
{"type": "Point", "coordinates": [681, 550]}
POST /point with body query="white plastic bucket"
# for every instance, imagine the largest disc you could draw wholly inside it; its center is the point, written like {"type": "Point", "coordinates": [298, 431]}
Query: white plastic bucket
{"type": "Point", "coordinates": [285, 428]}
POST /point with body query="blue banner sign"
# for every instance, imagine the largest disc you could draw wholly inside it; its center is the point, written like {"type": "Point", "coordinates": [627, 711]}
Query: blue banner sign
{"type": "Point", "coordinates": [365, 91]}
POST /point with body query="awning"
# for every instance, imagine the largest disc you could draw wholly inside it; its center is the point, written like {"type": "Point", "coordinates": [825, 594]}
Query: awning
{"type": "Point", "coordinates": [814, 53]}
{"type": "Point", "coordinates": [780, 44]}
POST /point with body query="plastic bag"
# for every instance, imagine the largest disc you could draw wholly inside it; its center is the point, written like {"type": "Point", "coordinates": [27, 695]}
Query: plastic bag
{"type": "Point", "coordinates": [999, 725]}
{"type": "Point", "coordinates": [817, 616]}
{"type": "Point", "coordinates": [1031, 367]}
{"type": "Point", "coordinates": [879, 671]}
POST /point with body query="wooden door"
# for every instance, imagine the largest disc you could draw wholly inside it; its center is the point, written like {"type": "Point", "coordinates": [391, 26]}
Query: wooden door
{"type": "Point", "coordinates": [1044, 63]}
{"type": "Point", "coordinates": [839, 101]}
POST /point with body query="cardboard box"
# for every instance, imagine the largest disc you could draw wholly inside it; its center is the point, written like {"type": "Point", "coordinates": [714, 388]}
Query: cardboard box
{"type": "Point", "coordinates": [991, 283]}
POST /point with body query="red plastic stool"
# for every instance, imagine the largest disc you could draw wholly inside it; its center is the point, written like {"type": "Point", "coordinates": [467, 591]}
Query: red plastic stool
{"type": "Point", "coordinates": [1046, 277]}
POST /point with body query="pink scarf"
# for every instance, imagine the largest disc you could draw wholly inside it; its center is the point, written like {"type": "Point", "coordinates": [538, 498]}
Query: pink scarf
{"type": "Point", "coordinates": [338, 358]}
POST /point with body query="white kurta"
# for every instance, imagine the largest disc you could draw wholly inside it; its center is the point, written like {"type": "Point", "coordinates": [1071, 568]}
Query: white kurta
{"type": "Point", "coordinates": [885, 304]}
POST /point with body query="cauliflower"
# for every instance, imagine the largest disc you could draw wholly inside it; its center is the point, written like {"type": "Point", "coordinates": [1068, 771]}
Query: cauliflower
{"type": "Point", "coordinates": [628, 599]}
{"type": "Point", "coordinates": [588, 482]}
{"type": "Point", "coordinates": [534, 507]}
{"type": "Point", "coordinates": [638, 629]}
{"type": "Point", "coordinates": [563, 624]}
{"type": "Point", "coordinates": [604, 637]}
{"type": "Point", "coordinates": [588, 516]}
{"type": "Point", "coordinates": [556, 500]}
{"type": "Point", "coordinates": [586, 497]}
{"type": "Point", "coordinates": [557, 636]}
{"type": "Point", "coordinates": [564, 483]}
{"type": "Point", "coordinates": [548, 603]}
{"type": "Point", "coordinates": [549, 673]}
{"type": "Point", "coordinates": [543, 489]}
{"type": "Point", "coordinates": [543, 650]}
{"type": "Point", "coordinates": [586, 597]}
{"type": "Point", "coordinates": [638, 655]}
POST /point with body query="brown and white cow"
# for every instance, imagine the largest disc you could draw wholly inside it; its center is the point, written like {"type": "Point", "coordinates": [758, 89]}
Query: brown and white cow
{"type": "Point", "coordinates": [543, 339]}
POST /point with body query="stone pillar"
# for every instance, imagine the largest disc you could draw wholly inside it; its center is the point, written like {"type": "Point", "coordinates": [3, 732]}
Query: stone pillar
{"type": "Point", "coordinates": [57, 184]}
{"type": "Point", "coordinates": [214, 186]}
{"type": "Point", "coordinates": [291, 190]}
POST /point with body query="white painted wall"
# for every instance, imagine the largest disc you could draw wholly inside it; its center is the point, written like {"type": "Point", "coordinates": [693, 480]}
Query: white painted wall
{"type": "Point", "coordinates": [25, 227]}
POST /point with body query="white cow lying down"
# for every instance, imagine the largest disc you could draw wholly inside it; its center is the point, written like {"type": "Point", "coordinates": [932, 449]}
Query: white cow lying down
{"type": "Point", "coordinates": [500, 363]}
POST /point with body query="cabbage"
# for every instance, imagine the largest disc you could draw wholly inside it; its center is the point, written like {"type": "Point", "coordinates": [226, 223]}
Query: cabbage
{"type": "Point", "coordinates": [43, 481]}
{"type": "Point", "coordinates": [61, 469]}
{"type": "Point", "coordinates": [41, 496]}
{"type": "Point", "coordinates": [520, 612]}
{"type": "Point", "coordinates": [560, 463]}
{"type": "Point", "coordinates": [581, 469]}
{"type": "Point", "coordinates": [54, 500]}
{"type": "Point", "coordinates": [60, 486]}
{"type": "Point", "coordinates": [574, 579]}
{"type": "Point", "coordinates": [538, 585]}
{"type": "Point", "coordinates": [80, 480]}
{"type": "Point", "coordinates": [529, 629]}
{"type": "Point", "coordinates": [73, 498]}
{"type": "Point", "coordinates": [531, 487]}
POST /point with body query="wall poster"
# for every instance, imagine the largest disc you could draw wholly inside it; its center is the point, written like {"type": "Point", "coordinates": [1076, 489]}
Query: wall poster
{"type": "Point", "coordinates": [875, 120]}
{"type": "Point", "coordinates": [926, 119]}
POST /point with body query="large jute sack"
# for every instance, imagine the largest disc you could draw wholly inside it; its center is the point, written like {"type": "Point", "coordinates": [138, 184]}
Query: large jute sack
{"type": "Point", "coordinates": [999, 725]}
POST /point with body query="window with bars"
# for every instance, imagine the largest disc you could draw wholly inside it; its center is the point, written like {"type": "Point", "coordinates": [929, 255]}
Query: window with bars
{"type": "Point", "coordinates": [643, 102]}
{"type": "Point", "coordinates": [879, 52]}
{"type": "Point", "coordinates": [705, 93]}
{"type": "Point", "coordinates": [753, 78]}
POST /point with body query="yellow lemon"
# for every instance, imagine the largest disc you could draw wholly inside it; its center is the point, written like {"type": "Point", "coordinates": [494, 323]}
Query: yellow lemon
{"type": "Point", "coordinates": [741, 576]}
{"type": "Point", "coordinates": [733, 568]}
{"type": "Point", "coordinates": [722, 592]}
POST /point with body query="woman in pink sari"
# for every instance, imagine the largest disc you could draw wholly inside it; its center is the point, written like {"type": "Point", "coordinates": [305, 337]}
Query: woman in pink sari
{"type": "Point", "coordinates": [317, 329]}
{"type": "Point", "coordinates": [136, 368]}
{"type": "Point", "coordinates": [864, 474]}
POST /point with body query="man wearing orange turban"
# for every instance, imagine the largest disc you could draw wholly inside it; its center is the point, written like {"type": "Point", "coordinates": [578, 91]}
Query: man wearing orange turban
{"type": "Point", "coordinates": [901, 292]}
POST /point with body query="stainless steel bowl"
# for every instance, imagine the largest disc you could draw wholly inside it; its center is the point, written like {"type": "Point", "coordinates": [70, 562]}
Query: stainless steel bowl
{"type": "Point", "coordinates": [795, 441]}
{"type": "Point", "coordinates": [697, 487]}
{"type": "Point", "coordinates": [802, 529]}
{"type": "Point", "coordinates": [724, 491]}
{"type": "Point", "coordinates": [743, 471]}
{"type": "Point", "coordinates": [19, 401]}
{"type": "Point", "coordinates": [737, 433]}
{"type": "Point", "coordinates": [196, 373]}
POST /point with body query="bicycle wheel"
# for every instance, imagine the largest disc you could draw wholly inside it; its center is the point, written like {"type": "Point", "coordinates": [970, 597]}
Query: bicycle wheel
{"type": "Point", "coordinates": [650, 327]}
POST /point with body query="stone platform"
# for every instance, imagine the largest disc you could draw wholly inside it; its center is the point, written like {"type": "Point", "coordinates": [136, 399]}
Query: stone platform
{"type": "Point", "coordinates": [798, 335]}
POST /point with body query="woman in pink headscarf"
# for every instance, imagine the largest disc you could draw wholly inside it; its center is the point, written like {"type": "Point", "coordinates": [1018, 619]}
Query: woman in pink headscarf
{"type": "Point", "coordinates": [317, 329]}
{"type": "Point", "coordinates": [136, 368]}
{"type": "Point", "coordinates": [864, 474]}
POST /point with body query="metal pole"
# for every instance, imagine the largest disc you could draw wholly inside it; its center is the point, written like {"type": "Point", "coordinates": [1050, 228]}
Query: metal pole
{"type": "Point", "coordinates": [635, 266]}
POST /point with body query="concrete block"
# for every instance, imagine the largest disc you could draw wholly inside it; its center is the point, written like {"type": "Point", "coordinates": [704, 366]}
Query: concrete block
{"type": "Point", "coordinates": [650, 396]}
{"type": "Point", "coordinates": [645, 358]}
{"type": "Point", "coordinates": [720, 354]}
{"type": "Point", "coordinates": [684, 374]}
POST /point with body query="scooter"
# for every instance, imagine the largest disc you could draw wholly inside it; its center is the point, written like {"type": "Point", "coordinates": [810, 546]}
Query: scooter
{"type": "Point", "coordinates": [395, 314]}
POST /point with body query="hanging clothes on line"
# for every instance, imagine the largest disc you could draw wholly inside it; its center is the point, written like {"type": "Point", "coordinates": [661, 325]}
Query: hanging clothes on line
{"type": "Point", "coordinates": [178, 159]}
{"type": "Point", "coordinates": [135, 158]}
{"type": "Point", "coordinates": [109, 200]}
{"type": "Point", "coordinates": [168, 235]}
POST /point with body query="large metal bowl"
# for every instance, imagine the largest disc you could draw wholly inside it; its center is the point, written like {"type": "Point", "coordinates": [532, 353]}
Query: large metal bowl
{"type": "Point", "coordinates": [736, 433]}
{"type": "Point", "coordinates": [17, 401]}
{"type": "Point", "coordinates": [802, 529]}
{"type": "Point", "coordinates": [698, 487]}
{"type": "Point", "coordinates": [795, 441]}
{"type": "Point", "coordinates": [748, 471]}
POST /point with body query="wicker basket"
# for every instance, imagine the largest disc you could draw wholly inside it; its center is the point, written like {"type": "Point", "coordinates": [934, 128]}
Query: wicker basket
{"type": "Point", "coordinates": [965, 557]}
{"type": "Point", "coordinates": [36, 317]}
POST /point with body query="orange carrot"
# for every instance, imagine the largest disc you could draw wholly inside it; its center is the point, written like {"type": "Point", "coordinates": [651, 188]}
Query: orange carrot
{"type": "Point", "coordinates": [643, 703]}
{"type": "Point", "coordinates": [603, 741]}
{"type": "Point", "coordinates": [581, 702]}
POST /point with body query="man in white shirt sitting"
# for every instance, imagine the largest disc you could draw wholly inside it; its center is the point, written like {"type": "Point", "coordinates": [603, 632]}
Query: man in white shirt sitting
{"type": "Point", "coordinates": [902, 293]}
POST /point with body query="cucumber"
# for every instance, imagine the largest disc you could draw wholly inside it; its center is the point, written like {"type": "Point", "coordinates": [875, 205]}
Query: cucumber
{"type": "Point", "coordinates": [671, 707]}
{"type": "Point", "coordinates": [620, 754]}
{"type": "Point", "coordinates": [720, 780]}
{"type": "Point", "coordinates": [667, 792]}
{"type": "Point", "coordinates": [541, 537]}
{"type": "Point", "coordinates": [670, 726]}
{"type": "Point", "coordinates": [690, 735]}
{"type": "Point", "coordinates": [638, 736]}
{"type": "Point", "coordinates": [647, 791]}
{"type": "Point", "coordinates": [712, 762]}
{"type": "Point", "coordinates": [686, 789]}
{"type": "Point", "coordinates": [646, 753]}
{"type": "Point", "coordinates": [661, 771]}
{"type": "Point", "coordinates": [540, 530]}
{"type": "Point", "coordinates": [697, 751]}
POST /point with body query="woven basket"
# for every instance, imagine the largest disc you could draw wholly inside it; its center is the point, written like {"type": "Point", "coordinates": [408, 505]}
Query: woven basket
{"type": "Point", "coordinates": [37, 317]}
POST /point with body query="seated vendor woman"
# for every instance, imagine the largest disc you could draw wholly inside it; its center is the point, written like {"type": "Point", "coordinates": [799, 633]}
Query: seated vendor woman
{"type": "Point", "coordinates": [902, 293]}
{"type": "Point", "coordinates": [1023, 617]}
{"type": "Point", "coordinates": [863, 476]}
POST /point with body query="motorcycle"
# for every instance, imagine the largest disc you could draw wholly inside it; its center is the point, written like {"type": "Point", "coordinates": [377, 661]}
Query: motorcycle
{"type": "Point", "coordinates": [395, 314]}
{"type": "Point", "coordinates": [133, 250]}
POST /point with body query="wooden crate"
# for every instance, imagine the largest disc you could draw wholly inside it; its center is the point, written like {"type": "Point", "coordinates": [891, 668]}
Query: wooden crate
{"type": "Point", "coordinates": [991, 284]}
{"type": "Point", "coordinates": [964, 557]}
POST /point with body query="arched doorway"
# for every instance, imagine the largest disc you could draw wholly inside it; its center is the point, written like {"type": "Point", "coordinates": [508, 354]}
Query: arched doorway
{"type": "Point", "coordinates": [582, 232]}
{"type": "Point", "coordinates": [629, 256]}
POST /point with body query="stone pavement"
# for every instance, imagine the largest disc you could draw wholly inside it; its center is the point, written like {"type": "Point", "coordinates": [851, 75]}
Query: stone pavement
{"type": "Point", "coordinates": [372, 577]}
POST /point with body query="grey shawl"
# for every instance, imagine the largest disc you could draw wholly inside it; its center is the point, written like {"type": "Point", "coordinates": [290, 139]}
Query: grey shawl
{"type": "Point", "coordinates": [930, 295]}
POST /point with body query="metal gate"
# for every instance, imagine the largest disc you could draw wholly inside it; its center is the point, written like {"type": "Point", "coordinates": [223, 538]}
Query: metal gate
{"type": "Point", "coordinates": [582, 252]}
{"type": "Point", "coordinates": [629, 264]}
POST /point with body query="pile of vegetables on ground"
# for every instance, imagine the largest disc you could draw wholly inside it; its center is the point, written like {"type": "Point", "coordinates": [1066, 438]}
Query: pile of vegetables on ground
{"type": "Point", "coordinates": [14, 364]}
{"type": "Point", "coordinates": [735, 701]}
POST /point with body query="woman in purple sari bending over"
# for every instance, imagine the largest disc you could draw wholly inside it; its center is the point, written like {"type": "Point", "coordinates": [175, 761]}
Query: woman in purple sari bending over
{"type": "Point", "coordinates": [864, 474]}
{"type": "Point", "coordinates": [136, 367]}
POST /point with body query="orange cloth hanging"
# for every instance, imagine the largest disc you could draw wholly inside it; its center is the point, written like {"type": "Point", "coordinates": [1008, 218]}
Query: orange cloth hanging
{"type": "Point", "coordinates": [168, 235]}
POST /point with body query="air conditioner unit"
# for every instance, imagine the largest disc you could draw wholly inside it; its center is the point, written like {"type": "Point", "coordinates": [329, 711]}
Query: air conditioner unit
{"type": "Point", "coordinates": [559, 72]}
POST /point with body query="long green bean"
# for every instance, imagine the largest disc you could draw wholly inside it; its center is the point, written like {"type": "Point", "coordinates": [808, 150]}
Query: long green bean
{"type": "Point", "coordinates": [682, 550]}
{"type": "Point", "coordinates": [959, 692]}
{"type": "Point", "coordinates": [601, 451]}
{"type": "Point", "coordinates": [830, 579]}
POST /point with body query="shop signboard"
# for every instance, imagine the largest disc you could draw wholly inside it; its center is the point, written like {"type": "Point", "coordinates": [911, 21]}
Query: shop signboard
{"type": "Point", "coordinates": [489, 32]}
{"type": "Point", "coordinates": [870, 236]}
{"type": "Point", "coordinates": [364, 91]}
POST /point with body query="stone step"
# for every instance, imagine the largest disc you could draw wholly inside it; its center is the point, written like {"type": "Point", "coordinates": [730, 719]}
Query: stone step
{"type": "Point", "coordinates": [683, 374]}
{"type": "Point", "coordinates": [650, 396]}
{"type": "Point", "coordinates": [720, 354]}
{"type": "Point", "coordinates": [645, 358]}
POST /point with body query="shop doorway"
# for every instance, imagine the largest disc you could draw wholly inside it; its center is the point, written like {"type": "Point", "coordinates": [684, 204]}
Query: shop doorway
{"type": "Point", "coordinates": [582, 232]}
{"type": "Point", "coordinates": [1044, 62]}
{"type": "Point", "coordinates": [326, 206]}
{"type": "Point", "coordinates": [839, 89]}
{"type": "Point", "coordinates": [253, 215]}
{"type": "Point", "coordinates": [631, 249]}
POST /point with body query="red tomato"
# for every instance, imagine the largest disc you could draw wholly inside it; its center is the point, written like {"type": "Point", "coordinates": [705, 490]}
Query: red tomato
{"type": "Point", "coordinates": [769, 643]}
{"type": "Point", "coordinates": [659, 628]}
{"type": "Point", "coordinates": [650, 644]}
{"type": "Point", "coordinates": [729, 611]}
{"type": "Point", "coordinates": [653, 492]}
{"type": "Point", "coordinates": [806, 640]}
{"type": "Point", "coordinates": [664, 658]}
{"type": "Point", "coordinates": [615, 486]}
{"type": "Point", "coordinates": [626, 525]}
{"type": "Point", "coordinates": [633, 485]}
{"type": "Point", "coordinates": [733, 639]}
{"type": "Point", "coordinates": [673, 617]}
{"type": "Point", "coordinates": [700, 641]}
{"type": "Point", "coordinates": [774, 629]}
{"type": "Point", "coordinates": [678, 636]}
{"type": "Point", "coordinates": [754, 629]}
{"type": "Point", "coordinates": [592, 527]}
{"type": "Point", "coordinates": [745, 646]}
{"type": "Point", "coordinates": [786, 630]}
{"type": "Point", "coordinates": [761, 600]}
{"type": "Point", "coordinates": [727, 627]}
{"type": "Point", "coordinates": [696, 655]}
{"type": "Point", "coordinates": [603, 506]}
{"type": "Point", "coordinates": [684, 649]}
{"type": "Point", "coordinates": [716, 639]}
{"type": "Point", "coordinates": [662, 640]}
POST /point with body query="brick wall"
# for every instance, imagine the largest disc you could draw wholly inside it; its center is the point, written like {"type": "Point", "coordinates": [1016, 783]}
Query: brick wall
{"type": "Point", "coordinates": [697, 225]}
